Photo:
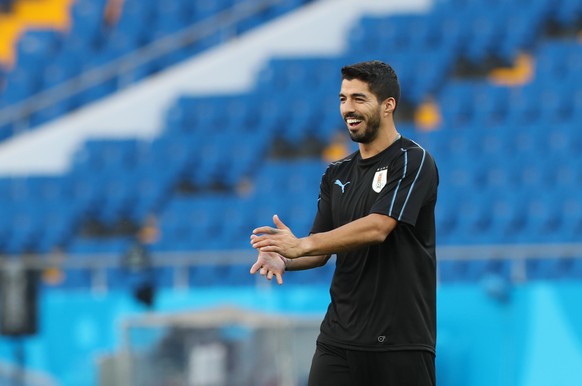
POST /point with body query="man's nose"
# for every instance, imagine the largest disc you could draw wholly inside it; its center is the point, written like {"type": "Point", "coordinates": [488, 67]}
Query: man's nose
{"type": "Point", "coordinates": [346, 107]}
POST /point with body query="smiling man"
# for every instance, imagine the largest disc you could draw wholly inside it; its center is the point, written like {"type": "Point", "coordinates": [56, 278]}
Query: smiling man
{"type": "Point", "coordinates": [376, 213]}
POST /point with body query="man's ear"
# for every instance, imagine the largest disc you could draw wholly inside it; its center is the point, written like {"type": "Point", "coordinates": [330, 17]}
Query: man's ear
{"type": "Point", "coordinates": [389, 105]}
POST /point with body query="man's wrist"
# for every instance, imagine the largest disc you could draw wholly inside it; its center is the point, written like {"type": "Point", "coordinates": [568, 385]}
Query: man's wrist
{"type": "Point", "coordinates": [305, 246]}
{"type": "Point", "coordinates": [284, 261]}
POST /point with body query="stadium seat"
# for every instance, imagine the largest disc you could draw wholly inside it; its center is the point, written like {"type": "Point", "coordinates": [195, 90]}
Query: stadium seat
{"type": "Point", "coordinates": [487, 146]}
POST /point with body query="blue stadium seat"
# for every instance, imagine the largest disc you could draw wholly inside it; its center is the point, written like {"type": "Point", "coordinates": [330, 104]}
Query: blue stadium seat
{"type": "Point", "coordinates": [526, 24]}
{"type": "Point", "coordinates": [568, 13]}
{"type": "Point", "coordinates": [137, 19]}
{"type": "Point", "coordinates": [93, 41]}
{"type": "Point", "coordinates": [34, 48]}
{"type": "Point", "coordinates": [507, 217]}
{"type": "Point", "coordinates": [472, 220]}
{"type": "Point", "coordinates": [472, 270]}
{"type": "Point", "coordinates": [456, 99]}
{"type": "Point", "coordinates": [82, 247]}
{"type": "Point", "coordinates": [485, 29]}
{"type": "Point", "coordinates": [491, 105]}
{"type": "Point", "coordinates": [487, 148]}
{"type": "Point", "coordinates": [542, 220]}
{"type": "Point", "coordinates": [154, 187]}
{"type": "Point", "coordinates": [570, 212]}
{"type": "Point", "coordinates": [20, 85]}
{"type": "Point", "coordinates": [202, 10]}
{"type": "Point", "coordinates": [571, 269]}
{"type": "Point", "coordinates": [546, 269]}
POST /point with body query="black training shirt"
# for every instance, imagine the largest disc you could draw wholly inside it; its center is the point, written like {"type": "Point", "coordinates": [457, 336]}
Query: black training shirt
{"type": "Point", "coordinates": [383, 297]}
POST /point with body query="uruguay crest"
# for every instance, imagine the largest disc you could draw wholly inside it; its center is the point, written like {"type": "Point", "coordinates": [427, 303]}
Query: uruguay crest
{"type": "Point", "coordinates": [380, 179]}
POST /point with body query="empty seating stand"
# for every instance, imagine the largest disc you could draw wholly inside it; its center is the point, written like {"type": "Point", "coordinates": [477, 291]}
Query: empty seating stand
{"type": "Point", "coordinates": [85, 36]}
{"type": "Point", "coordinates": [210, 177]}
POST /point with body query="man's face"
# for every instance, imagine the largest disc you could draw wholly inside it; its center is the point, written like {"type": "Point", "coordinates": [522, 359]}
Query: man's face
{"type": "Point", "coordinates": [360, 110]}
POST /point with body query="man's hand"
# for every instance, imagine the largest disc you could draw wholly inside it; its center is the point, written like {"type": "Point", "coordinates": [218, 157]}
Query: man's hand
{"type": "Point", "coordinates": [280, 240]}
{"type": "Point", "coordinates": [270, 264]}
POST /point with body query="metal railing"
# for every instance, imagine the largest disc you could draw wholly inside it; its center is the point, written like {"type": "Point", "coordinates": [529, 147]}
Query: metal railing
{"type": "Point", "coordinates": [121, 70]}
{"type": "Point", "coordinates": [180, 262]}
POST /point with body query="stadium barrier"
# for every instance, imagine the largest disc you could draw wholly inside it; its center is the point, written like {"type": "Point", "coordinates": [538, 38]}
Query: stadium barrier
{"type": "Point", "coordinates": [97, 266]}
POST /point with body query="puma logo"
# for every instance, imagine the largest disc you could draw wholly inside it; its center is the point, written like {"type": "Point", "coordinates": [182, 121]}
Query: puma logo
{"type": "Point", "coordinates": [343, 186]}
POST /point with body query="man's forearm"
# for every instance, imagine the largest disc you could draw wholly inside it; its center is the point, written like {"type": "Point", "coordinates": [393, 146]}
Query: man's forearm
{"type": "Point", "coordinates": [369, 230]}
{"type": "Point", "coordinates": [306, 262]}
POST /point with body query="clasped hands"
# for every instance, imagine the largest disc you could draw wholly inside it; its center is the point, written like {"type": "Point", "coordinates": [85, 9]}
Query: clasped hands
{"type": "Point", "coordinates": [274, 246]}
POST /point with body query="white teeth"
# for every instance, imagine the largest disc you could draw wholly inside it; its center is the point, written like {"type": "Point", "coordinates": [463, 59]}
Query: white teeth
{"type": "Point", "coordinates": [352, 121]}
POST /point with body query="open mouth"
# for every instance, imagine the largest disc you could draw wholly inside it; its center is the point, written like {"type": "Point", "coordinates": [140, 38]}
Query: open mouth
{"type": "Point", "coordinates": [353, 122]}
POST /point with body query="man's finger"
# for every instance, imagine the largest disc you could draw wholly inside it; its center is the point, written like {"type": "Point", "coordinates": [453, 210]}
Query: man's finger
{"type": "Point", "coordinates": [279, 278]}
{"type": "Point", "coordinates": [265, 230]}
{"type": "Point", "coordinates": [255, 267]}
{"type": "Point", "coordinates": [263, 245]}
{"type": "Point", "coordinates": [279, 223]}
{"type": "Point", "coordinates": [257, 240]}
{"type": "Point", "coordinates": [270, 248]}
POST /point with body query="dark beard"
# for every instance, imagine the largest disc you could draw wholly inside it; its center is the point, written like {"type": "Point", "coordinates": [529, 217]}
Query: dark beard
{"type": "Point", "coordinates": [372, 128]}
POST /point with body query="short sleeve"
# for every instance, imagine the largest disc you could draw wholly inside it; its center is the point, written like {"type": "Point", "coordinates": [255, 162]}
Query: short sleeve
{"type": "Point", "coordinates": [323, 221]}
{"type": "Point", "coordinates": [412, 181]}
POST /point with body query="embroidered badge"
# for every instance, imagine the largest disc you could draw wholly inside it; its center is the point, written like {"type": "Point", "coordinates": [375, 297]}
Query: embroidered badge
{"type": "Point", "coordinates": [380, 179]}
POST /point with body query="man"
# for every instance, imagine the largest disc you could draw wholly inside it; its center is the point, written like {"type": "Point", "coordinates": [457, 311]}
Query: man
{"type": "Point", "coordinates": [376, 213]}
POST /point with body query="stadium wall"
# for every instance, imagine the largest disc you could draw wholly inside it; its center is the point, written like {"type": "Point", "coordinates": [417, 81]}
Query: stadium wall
{"type": "Point", "coordinates": [488, 333]}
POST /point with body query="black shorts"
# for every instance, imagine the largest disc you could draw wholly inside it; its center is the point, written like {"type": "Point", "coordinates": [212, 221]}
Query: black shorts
{"type": "Point", "coordinates": [333, 366]}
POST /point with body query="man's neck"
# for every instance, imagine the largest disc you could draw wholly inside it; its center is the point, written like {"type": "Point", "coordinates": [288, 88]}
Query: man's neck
{"type": "Point", "coordinates": [382, 142]}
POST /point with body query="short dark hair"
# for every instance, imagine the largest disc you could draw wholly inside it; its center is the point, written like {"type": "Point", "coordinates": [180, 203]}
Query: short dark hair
{"type": "Point", "coordinates": [380, 77]}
